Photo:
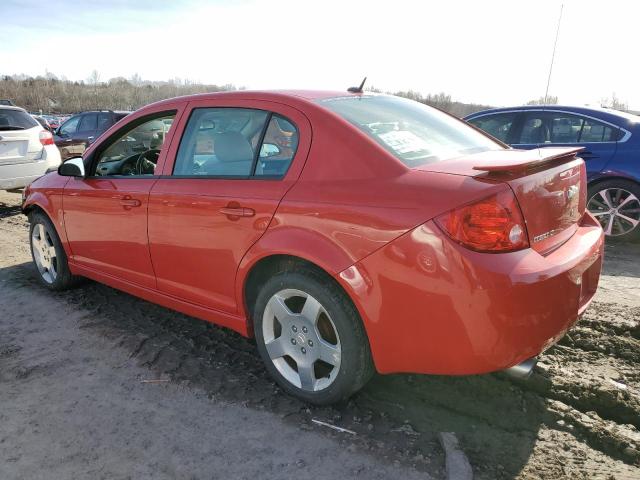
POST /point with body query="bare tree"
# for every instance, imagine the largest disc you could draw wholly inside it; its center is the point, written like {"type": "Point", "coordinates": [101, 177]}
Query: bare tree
{"type": "Point", "coordinates": [615, 103]}
{"type": "Point", "coordinates": [549, 100]}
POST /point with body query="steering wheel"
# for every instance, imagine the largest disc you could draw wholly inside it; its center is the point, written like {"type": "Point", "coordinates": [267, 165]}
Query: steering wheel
{"type": "Point", "coordinates": [146, 162]}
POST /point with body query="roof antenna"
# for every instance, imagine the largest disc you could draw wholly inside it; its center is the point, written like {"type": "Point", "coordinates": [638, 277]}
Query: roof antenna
{"type": "Point", "coordinates": [357, 89]}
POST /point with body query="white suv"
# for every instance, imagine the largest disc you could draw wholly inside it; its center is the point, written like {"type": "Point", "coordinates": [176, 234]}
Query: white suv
{"type": "Point", "coordinates": [27, 150]}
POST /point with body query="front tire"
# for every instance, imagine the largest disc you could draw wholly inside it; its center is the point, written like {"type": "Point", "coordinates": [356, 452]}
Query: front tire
{"type": "Point", "coordinates": [48, 255]}
{"type": "Point", "coordinates": [311, 337]}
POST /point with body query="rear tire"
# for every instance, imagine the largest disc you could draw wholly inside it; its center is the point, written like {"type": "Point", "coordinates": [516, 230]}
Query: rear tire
{"type": "Point", "coordinates": [616, 205]}
{"type": "Point", "coordinates": [49, 257]}
{"type": "Point", "coordinates": [311, 337]}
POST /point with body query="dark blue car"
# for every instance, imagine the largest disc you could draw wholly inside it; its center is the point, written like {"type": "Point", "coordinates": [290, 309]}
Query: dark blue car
{"type": "Point", "coordinates": [612, 153]}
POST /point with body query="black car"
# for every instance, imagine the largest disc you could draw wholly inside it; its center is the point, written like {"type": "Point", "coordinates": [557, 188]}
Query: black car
{"type": "Point", "coordinates": [78, 132]}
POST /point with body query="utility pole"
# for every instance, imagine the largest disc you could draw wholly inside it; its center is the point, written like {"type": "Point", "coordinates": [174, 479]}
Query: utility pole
{"type": "Point", "coordinates": [553, 55]}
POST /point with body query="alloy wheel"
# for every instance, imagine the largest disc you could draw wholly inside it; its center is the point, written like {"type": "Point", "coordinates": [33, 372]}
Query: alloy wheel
{"type": "Point", "coordinates": [301, 340]}
{"type": "Point", "coordinates": [617, 210]}
{"type": "Point", "coordinates": [44, 253]}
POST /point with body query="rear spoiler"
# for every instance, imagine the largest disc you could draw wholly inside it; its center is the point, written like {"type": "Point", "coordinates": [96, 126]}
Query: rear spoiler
{"type": "Point", "coordinates": [518, 160]}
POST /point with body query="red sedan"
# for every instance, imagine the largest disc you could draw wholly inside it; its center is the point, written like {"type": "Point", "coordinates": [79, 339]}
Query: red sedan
{"type": "Point", "coordinates": [348, 232]}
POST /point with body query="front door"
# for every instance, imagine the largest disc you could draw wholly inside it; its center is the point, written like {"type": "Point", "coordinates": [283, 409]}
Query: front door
{"type": "Point", "coordinates": [219, 191]}
{"type": "Point", "coordinates": [105, 213]}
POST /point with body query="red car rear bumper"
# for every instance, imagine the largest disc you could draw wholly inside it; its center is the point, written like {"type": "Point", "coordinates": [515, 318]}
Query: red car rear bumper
{"type": "Point", "coordinates": [431, 306]}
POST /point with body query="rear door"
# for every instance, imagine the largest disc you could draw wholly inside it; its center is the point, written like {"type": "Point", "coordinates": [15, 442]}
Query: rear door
{"type": "Point", "coordinates": [221, 185]}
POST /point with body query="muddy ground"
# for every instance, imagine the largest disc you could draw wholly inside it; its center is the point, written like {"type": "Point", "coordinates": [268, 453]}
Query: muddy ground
{"type": "Point", "coordinates": [73, 402]}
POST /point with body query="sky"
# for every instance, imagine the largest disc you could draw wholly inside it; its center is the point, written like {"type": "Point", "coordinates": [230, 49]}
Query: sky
{"type": "Point", "coordinates": [492, 52]}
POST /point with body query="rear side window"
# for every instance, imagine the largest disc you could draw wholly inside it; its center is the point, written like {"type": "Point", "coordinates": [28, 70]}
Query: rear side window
{"type": "Point", "coordinates": [278, 147]}
{"type": "Point", "coordinates": [594, 132]}
{"type": "Point", "coordinates": [414, 133]}
{"type": "Point", "coordinates": [88, 122]}
{"type": "Point", "coordinates": [16, 120]}
{"type": "Point", "coordinates": [498, 125]}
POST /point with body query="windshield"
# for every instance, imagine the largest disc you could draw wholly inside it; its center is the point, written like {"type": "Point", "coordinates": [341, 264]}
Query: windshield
{"type": "Point", "coordinates": [413, 132]}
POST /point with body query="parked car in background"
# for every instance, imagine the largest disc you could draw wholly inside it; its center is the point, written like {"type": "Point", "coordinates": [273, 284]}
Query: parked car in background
{"type": "Point", "coordinates": [348, 232]}
{"type": "Point", "coordinates": [78, 132]}
{"type": "Point", "coordinates": [611, 141]}
{"type": "Point", "coordinates": [44, 122]}
{"type": "Point", "coordinates": [53, 121]}
{"type": "Point", "coordinates": [7, 102]}
{"type": "Point", "coordinates": [27, 150]}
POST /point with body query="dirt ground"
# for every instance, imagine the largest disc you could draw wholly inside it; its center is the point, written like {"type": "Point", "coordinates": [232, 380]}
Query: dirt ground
{"type": "Point", "coordinates": [74, 402]}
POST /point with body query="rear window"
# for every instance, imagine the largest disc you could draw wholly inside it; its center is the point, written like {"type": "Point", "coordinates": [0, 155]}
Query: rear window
{"type": "Point", "coordinates": [414, 133]}
{"type": "Point", "coordinates": [16, 120]}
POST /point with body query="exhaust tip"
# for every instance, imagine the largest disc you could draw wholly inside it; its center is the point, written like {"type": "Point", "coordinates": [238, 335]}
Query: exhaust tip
{"type": "Point", "coordinates": [522, 370]}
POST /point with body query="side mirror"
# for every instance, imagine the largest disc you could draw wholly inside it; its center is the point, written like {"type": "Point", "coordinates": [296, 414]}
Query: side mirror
{"type": "Point", "coordinates": [269, 150]}
{"type": "Point", "coordinates": [73, 167]}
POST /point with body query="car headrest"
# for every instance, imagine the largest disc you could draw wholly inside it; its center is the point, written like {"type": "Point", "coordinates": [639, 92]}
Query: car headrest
{"type": "Point", "coordinates": [232, 147]}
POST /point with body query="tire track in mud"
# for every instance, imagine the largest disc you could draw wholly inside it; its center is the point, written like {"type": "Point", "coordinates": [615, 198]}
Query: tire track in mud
{"type": "Point", "coordinates": [400, 416]}
{"type": "Point", "coordinates": [590, 381]}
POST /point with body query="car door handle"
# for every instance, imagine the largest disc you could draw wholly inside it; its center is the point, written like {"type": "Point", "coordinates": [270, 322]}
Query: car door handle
{"type": "Point", "coordinates": [237, 211]}
{"type": "Point", "coordinates": [128, 202]}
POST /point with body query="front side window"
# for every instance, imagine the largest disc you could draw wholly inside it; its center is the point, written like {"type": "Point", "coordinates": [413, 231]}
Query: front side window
{"type": "Point", "coordinates": [136, 151]}
{"type": "Point", "coordinates": [70, 126]}
{"type": "Point", "coordinates": [220, 142]}
{"type": "Point", "coordinates": [414, 133]}
{"type": "Point", "coordinates": [497, 125]}
{"type": "Point", "coordinates": [534, 131]}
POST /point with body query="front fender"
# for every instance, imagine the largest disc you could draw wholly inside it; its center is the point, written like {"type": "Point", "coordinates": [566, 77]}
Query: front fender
{"type": "Point", "coordinates": [46, 194]}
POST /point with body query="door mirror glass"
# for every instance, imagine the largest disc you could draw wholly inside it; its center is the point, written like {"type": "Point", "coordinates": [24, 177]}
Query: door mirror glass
{"type": "Point", "coordinates": [269, 150]}
{"type": "Point", "coordinates": [72, 168]}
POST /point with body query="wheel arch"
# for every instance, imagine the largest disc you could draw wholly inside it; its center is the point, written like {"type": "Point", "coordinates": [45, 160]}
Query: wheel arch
{"type": "Point", "coordinates": [607, 178]}
{"type": "Point", "coordinates": [37, 202]}
{"type": "Point", "coordinates": [268, 265]}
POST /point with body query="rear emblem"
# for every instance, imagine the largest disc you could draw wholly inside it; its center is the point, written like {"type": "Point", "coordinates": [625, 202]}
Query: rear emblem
{"type": "Point", "coordinates": [572, 191]}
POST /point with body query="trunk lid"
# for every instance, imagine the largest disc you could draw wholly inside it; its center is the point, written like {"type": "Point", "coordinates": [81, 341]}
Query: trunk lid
{"type": "Point", "coordinates": [20, 146]}
{"type": "Point", "coordinates": [549, 184]}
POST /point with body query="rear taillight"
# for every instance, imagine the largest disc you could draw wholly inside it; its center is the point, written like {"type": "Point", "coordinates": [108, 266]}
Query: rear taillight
{"type": "Point", "coordinates": [494, 224]}
{"type": "Point", "coordinates": [46, 138]}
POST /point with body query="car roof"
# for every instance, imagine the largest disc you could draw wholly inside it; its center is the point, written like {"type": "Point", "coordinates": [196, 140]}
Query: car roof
{"type": "Point", "coordinates": [600, 112]}
{"type": "Point", "coordinates": [12, 107]}
{"type": "Point", "coordinates": [275, 95]}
